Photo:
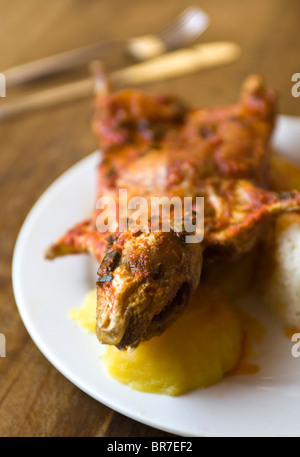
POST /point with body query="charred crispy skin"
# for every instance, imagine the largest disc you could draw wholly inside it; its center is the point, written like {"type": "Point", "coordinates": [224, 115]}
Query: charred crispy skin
{"type": "Point", "coordinates": [157, 146]}
{"type": "Point", "coordinates": [237, 212]}
{"type": "Point", "coordinates": [147, 278]}
{"type": "Point", "coordinates": [83, 238]}
{"type": "Point", "coordinates": [144, 282]}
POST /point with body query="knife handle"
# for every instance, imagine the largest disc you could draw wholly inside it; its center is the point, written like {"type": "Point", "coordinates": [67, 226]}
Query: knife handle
{"type": "Point", "coordinates": [178, 63]}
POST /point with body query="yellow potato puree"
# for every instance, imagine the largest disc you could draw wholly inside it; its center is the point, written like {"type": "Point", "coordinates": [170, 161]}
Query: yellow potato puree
{"type": "Point", "coordinates": [196, 351]}
{"type": "Point", "coordinates": [86, 315]}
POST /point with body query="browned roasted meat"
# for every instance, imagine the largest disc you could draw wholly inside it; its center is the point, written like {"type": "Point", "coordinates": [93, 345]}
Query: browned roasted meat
{"type": "Point", "coordinates": [154, 146]}
{"type": "Point", "coordinates": [157, 146]}
{"type": "Point", "coordinates": [145, 280]}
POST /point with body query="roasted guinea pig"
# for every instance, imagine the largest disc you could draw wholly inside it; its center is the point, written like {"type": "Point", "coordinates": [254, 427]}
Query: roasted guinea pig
{"type": "Point", "coordinates": [154, 145]}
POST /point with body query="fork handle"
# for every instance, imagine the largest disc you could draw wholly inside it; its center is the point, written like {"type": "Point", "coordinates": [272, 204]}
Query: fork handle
{"type": "Point", "coordinates": [141, 48]}
{"type": "Point", "coordinates": [58, 63]}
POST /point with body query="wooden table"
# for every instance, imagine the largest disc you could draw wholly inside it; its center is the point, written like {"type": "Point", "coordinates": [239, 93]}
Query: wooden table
{"type": "Point", "coordinates": [35, 399]}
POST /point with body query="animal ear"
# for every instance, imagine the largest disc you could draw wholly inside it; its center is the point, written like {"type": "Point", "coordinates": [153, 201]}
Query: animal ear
{"type": "Point", "coordinates": [100, 75]}
{"type": "Point", "coordinates": [252, 84]}
{"type": "Point", "coordinates": [253, 94]}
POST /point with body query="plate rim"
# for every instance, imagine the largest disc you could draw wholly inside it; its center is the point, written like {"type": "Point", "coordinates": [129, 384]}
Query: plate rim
{"type": "Point", "coordinates": [29, 326]}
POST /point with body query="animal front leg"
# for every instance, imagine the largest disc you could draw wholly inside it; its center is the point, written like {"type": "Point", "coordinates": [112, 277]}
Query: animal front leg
{"type": "Point", "coordinates": [83, 238]}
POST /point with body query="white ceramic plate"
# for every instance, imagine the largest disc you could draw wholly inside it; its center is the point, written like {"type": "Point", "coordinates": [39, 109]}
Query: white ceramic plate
{"type": "Point", "coordinates": [264, 404]}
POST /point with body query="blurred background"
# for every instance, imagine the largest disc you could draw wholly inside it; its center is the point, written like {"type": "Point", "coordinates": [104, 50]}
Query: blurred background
{"type": "Point", "coordinates": [36, 148]}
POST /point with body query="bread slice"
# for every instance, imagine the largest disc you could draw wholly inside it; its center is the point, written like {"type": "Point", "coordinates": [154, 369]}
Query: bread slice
{"type": "Point", "coordinates": [279, 277]}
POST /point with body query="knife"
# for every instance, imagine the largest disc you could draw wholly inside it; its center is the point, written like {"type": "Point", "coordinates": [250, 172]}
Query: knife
{"type": "Point", "coordinates": [182, 31]}
{"type": "Point", "coordinates": [171, 65]}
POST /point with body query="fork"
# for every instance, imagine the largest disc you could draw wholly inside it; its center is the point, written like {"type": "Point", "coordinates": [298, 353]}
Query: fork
{"type": "Point", "coordinates": [183, 30]}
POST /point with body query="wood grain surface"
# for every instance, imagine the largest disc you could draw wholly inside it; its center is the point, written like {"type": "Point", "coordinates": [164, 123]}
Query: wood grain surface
{"type": "Point", "coordinates": [35, 399]}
